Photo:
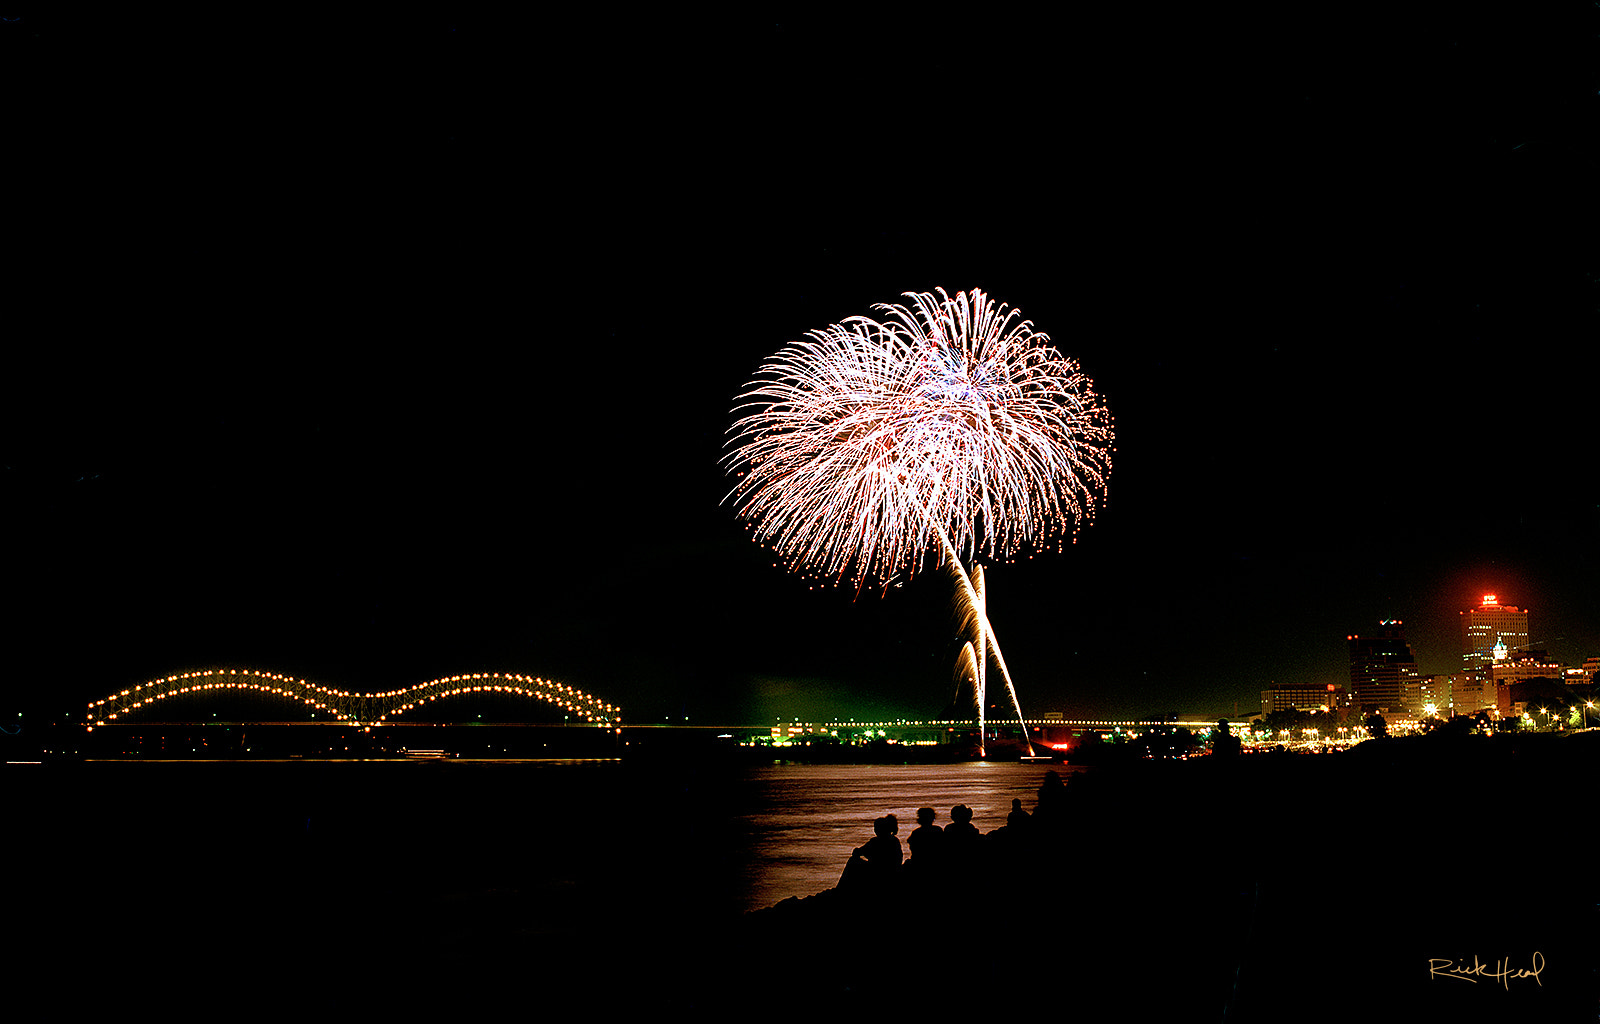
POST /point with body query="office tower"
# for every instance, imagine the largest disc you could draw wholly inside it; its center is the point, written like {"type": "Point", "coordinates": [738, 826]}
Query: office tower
{"type": "Point", "coordinates": [1380, 664]}
{"type": "Point", "coordinates": [1492, 632]}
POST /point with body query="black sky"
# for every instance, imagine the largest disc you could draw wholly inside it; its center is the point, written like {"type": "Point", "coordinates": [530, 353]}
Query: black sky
{"type": "Point", "coordinates": [377, 350]}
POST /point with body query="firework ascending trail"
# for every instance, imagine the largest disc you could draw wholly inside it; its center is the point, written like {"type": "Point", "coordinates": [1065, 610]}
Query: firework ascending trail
{"type": "Point", "coordinates": [950, 426]}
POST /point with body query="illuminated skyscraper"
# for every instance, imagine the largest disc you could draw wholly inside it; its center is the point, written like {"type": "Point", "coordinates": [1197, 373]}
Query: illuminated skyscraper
{"type": "Point", "coordinates": [1492, 632]}
{"type": "Point", "coordinates": [1379, 665]}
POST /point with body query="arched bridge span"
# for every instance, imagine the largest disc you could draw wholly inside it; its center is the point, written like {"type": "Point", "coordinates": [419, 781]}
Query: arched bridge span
{"type": "Point", "coordinates": [363, 709]}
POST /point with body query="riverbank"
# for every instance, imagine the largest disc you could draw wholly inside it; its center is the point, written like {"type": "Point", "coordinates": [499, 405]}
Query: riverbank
{"type": "Point", "coordinates": [1176, 888]}
{"type": "Point", "coordinates": [1257, 889]}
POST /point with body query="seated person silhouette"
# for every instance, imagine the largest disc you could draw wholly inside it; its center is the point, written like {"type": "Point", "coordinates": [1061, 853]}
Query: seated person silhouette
{"type": "Point", "coordinates": [926, 842]}
{"type": "Point", "coordinates": [1050, 813]}
{"type": "Point", "coordinates": [1018, 819]}
{"type": "Point", "coordinates": [961, 835]}
{"type": "Point", "coordinates": [873, 863]}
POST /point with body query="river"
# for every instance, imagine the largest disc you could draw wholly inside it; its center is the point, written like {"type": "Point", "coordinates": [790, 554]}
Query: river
{"type": "Point", "coordinates": [740, 836]}
{"type": "Point", "coordinates": [233, 883]}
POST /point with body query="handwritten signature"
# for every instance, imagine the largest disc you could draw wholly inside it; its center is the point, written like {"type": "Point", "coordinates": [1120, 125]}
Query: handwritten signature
{"type": "Point", "coordinates": [1502, 971]}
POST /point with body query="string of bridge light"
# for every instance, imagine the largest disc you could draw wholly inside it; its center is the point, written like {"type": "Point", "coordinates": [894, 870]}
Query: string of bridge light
{"type": "Point", "coordinates": [542, 689]}
{"type": "Point", "coordinates": [325, 698]}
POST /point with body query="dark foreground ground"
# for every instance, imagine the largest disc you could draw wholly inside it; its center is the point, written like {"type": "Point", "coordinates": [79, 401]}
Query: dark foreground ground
{"type": "Point", "coordinates": [1266, 889]}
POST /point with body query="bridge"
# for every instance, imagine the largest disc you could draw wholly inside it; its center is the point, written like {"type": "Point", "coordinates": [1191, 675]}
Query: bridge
{"type": "Point", "coordinates": [137, 707]}
{"type": "Point", "coordinates": [363, 710]}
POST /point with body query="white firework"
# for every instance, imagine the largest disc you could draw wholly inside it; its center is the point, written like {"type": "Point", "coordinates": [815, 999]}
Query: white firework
{"type": "Point", "coordinates": [949, 426]}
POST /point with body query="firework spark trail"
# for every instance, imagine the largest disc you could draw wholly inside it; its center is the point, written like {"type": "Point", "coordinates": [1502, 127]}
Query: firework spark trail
{"type": "Point", "coordinates": [975, 614]}
{"type": "Point", "coordinates": [950, 426]}
{"type": "Point", "coordinates": [986, 635]}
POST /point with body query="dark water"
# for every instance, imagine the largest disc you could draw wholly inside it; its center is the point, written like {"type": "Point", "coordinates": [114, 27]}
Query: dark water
{"type": "Point", "coordinates": [384, 882]}
{"type": "Point", "coordinates": [264, 886]}
{"type": "Point", "coordinates": [742, 837]}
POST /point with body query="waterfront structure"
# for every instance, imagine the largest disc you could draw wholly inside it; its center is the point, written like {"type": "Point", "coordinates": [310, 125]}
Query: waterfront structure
{"type": "Point", "coordinates": [1382, 667]}
{"type": "Point", "coordinates": [1492, 632]}
{"type": "Point", "coordinates": [361, 710]}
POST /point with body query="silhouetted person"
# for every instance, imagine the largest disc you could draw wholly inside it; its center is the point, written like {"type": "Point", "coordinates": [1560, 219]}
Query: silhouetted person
{"type": "Point", "coordinates": [873, 863]}
{"type": "Point", "coordinates": [960, 837]}
{"type": "Point", "coordinates": [1050, 813]}
{"type": "Point", "coordinates": [926, 840]}
{"type": "Point", "coordinates": [1018, 820]}
{"type": "Point", "coordinates": [1224, 744]}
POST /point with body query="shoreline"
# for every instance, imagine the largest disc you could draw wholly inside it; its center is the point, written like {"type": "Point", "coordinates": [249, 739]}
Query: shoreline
{"type": "Point", "coordinates": [1343, 880]}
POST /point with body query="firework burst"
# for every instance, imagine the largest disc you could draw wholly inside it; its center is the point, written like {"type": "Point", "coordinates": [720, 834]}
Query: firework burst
{"type": "Point", "coordinates": [949, 427]}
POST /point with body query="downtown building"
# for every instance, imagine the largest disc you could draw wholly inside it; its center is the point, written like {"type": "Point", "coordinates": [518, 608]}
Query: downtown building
{"type": "Point", "coordinates": [1494, 643]}
{"type": "Point", "coordinates": [1383, 671]}
{"type": "Point", "coordinates": [1471, 692]}
{"type": "Point", "coordinates": [1422, 695]}
{"type": "Point", "coordinates": [1515, 681]}
{"type": "Point", "coordinates": [1304, 697]}
{"type": "Point", "coordinates": [1492, 632]}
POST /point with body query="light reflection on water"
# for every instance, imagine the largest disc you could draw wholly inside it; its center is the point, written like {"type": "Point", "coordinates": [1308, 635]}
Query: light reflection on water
{"type": "Point", "coordinates": [803, 820]}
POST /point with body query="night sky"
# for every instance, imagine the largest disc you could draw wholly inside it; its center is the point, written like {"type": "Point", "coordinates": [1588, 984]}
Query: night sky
{"type": "Point", "coordinates": [381, 350]}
